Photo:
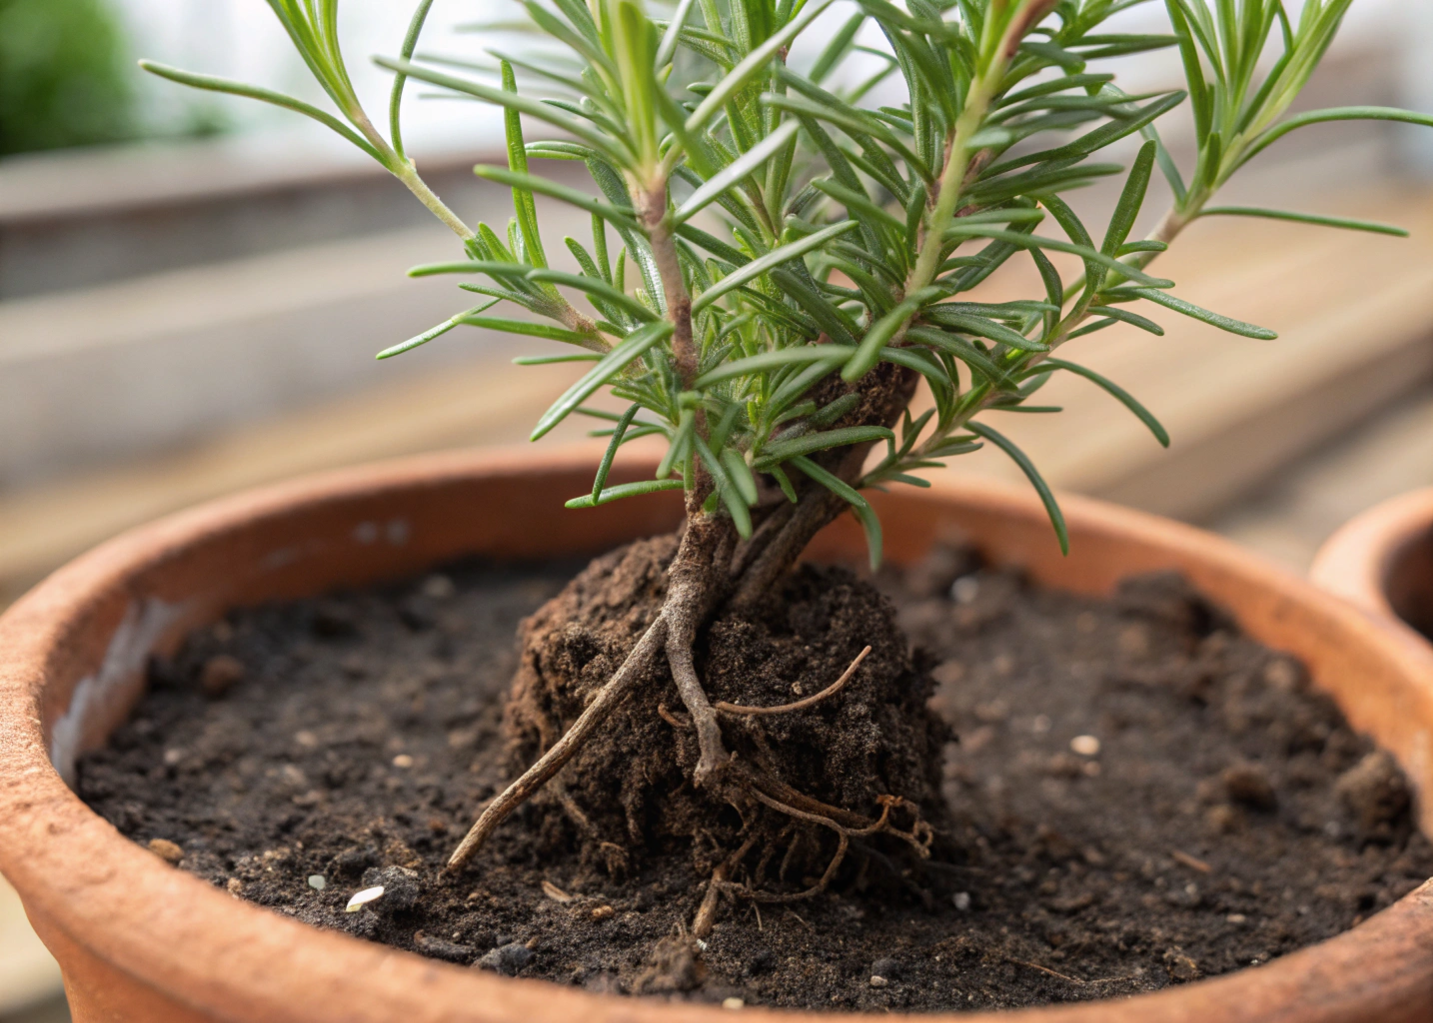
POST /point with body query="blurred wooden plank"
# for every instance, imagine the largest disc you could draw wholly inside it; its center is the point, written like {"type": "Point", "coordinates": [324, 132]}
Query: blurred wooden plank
{"type": "Point", "coordinates": [493, 400]}
{"type": "Point", "coordinates": [1290, 515]}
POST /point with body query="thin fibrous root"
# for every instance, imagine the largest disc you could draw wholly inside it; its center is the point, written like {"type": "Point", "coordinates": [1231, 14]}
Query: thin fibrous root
{"type": "Point", "coordinates": [774, 898]}
{"type": "Point", "coordinates": [706, 912]}
{"type": "Point", "coordinates": [810, 701]}
{"type": "Point", "coordinates": [633, 670]}
{"type": "Point", "coordinates": [843, 840]}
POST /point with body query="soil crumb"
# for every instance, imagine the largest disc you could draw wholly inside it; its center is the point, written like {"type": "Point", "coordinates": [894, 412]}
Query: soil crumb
{"type": "Point", "coordinates": [1139, 796]}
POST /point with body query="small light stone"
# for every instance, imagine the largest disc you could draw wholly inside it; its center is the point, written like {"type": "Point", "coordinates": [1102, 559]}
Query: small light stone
{"type": "Point", "coordinates": [317, 882]}
{"type": "Point", "coordinates": [363, 898]}
{"type": "Point", "coordinates": [965, 589]}
{"type": "Point", "coordinates": [403, 760]}
{"type": "Point", "coordinates": [602, 912]}
{"type": "Point", "coordinates": [233, 886]}
{"type": "Point", "coordinates": [439, 587]}
{"type": "Point", "coordinates": [1236, 918]}
{"type": "Point", "coordinates": [1085, 745]}
{"type": "Point", "coordinates": [733, 1003]}
{"type": "Point", "coordinates": [219, 674]}
{"type": "Point", "coordinates": [962, 901]}
{"type": "Point", "coordinates": [172, 757]}
{"type": "Point", "coordinates": [508, 959]}
{"type": "Point", "coordinates": [306, 738]}
{"type": "Point", "coordinates": [878, 981]}
{"type": "Point", "coordinates": [166, 850]}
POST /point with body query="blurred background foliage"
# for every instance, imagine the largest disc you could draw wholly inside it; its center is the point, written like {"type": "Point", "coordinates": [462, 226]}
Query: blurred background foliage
{"type": "Point", "coordinates": [65, 77]}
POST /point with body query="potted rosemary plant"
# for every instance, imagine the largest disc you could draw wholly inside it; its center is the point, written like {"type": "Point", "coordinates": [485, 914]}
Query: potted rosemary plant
{"type": "Point", "coordinates": [776, 264]}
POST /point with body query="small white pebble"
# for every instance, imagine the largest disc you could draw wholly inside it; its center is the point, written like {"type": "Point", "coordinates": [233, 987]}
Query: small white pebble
{"type": "Point", "coordinates": [1085, 745]}
{"type": "Point", "coordinates": [701, 945]}
{"type": "Point", "coordinates": [965, 589]}
{"type": "Point", "coordinates": [317, 882]}
{"type": "Point", "coordinates": [1236, 918]}
{"type": "Point", "coordinates": [403, 760]}
{"type": "Point", "coordinates": [878, 981]}
{"type": "Point", "coordinates": [962, 901]}
{"type": "Point", "coordinates": [1041, 724]}
{"type": "Point", "coordinates": [172, 757]}
{"type": "Point", "coordinates": [733, 1003]}
{"type": "Point", "coordinates": [439, 587]}
{"type": "Point", "coordinates": [363, 898]}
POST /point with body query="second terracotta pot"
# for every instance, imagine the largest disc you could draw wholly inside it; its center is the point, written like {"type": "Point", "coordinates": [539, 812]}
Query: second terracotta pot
{"type": "Point", "coordinates": [141, 942]}
{"type": "Point", "coordinates": [1382, 560]}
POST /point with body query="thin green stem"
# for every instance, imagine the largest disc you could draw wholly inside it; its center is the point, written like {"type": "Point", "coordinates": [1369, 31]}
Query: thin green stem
{"type": "Point", "coordinates": [408, 174]}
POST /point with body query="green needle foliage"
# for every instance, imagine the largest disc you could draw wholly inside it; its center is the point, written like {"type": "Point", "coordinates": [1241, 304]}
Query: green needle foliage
{"type": "Point", "coordinates": [759, 231]}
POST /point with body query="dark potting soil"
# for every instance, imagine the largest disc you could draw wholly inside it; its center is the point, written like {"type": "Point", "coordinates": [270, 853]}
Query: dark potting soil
{"type": "Point", "coordinates": [1140, 796]}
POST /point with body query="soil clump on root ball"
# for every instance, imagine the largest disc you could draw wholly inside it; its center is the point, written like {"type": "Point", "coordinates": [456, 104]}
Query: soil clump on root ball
{"type": "Point", "coordinates": [815, 765]}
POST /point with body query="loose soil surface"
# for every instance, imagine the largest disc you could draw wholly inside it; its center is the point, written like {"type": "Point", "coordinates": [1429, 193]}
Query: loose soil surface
{"type": "Point", "coordinates": [1140, 796]}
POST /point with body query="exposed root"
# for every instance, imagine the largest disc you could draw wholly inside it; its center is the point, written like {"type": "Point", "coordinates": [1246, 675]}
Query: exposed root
{"type": "Point", "coordinates": [706, 912]}
{"type": "Point", "coordinates": [672, 719]}
{"type": "Point", "coordinates": [703, 715]}
{"type": "Point", "coordinates": [919, 837]}
{"type": "Point", "coordinates": [607, 698]}
{"type": "Point", "coordinates": [810, 701]}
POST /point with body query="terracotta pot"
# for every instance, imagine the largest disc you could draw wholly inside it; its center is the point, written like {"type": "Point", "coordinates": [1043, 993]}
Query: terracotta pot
{"type": "Point", "coordinates": [141, 942]}
{"type": "Point", "coordinates": [1382, 560]}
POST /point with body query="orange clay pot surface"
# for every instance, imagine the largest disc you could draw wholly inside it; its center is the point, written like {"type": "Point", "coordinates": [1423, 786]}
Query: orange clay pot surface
{"type": "Point", "coordinates": [1382, 560]}
{"type": "Point", "coordinates": [142, 942]}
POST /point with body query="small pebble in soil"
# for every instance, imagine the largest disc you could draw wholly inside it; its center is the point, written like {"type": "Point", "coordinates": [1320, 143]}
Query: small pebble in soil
{"type": "Point", "coordinates": [878, 981]}
{"type": "Point", "coordinates": [1375, 791]}
{"type": "Point", "coordinates": [1249, 785]}
{"type": "Point", "coordinates": [507, 960]}
{"type": "Point", "coordinates": [886, 967]}
{"type": "Point", "coordinates": [439, 587]}
{"type": "Point", "coordinates": [317, 882]}
{"type": "Point", "coordinates": [961, 901]}
{"type": "Point", "coordinates": [1085, 745]}
{"type": "Point", "coordinates": [166, 850]}
{"type": "Point", "coordinates": [733, 1003]}
{"type": "Point", "coordinates": [219, 674]}
{"type": "Point", "coordinates": [403, 760]}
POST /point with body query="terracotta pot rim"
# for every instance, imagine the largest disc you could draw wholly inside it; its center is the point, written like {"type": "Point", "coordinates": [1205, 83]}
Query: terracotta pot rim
{"type": "Point", "coordinates": [1355, 562]}
{"type": "Point", "coordinates": [169, 930]}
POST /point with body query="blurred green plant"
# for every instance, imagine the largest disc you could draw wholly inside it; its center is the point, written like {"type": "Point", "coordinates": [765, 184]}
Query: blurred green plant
{"type": "Point", "coordinates": [63, 79]}
{"type": "Point", "coordinates": [801, 258]}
